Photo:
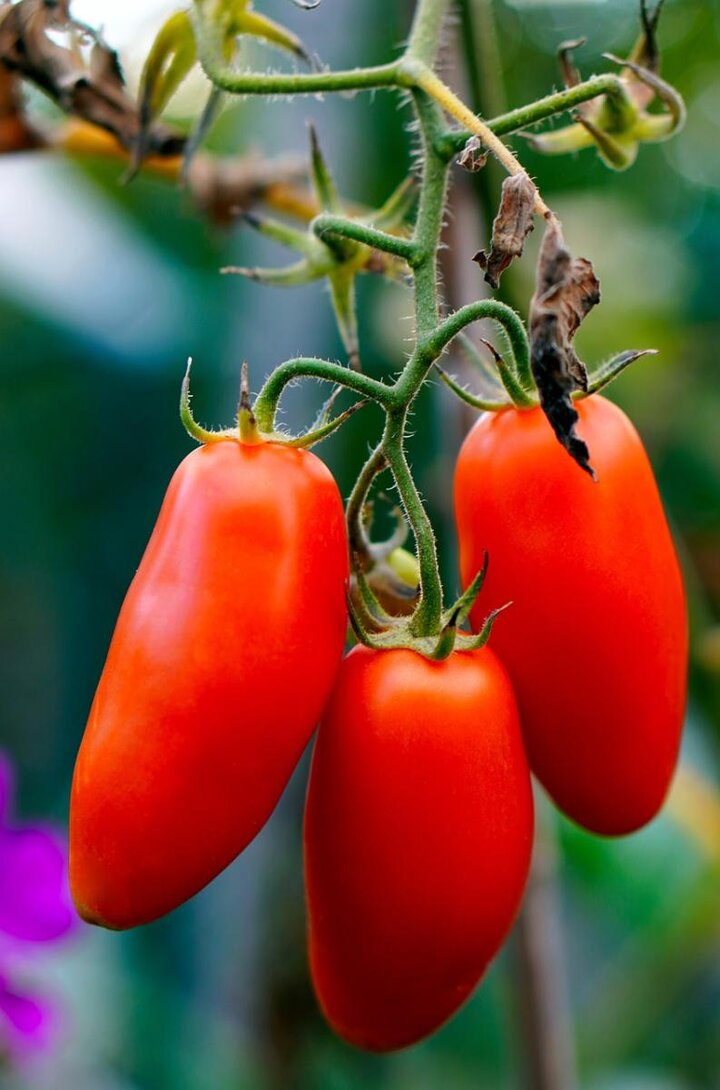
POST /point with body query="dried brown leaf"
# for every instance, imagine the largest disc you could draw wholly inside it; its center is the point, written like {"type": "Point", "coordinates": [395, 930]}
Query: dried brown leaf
{"type": "Point", "coordinates": [94, 91]}
{"type": "Point", "coordinates": [474, 155]}
{"type": "Point", "coordinates": [511, 227]}
{"type": "Point", "coordinates": [567, 290]}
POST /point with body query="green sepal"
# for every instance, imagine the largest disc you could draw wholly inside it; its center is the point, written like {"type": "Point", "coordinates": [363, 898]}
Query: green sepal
{"type": "Point", "coordinates": [294, 239]}
{"type": "Point", "coordinates": [322, 180]}
{"type": "Point", "coordinates": [172, 55]}
{"type": "Point", "coordinates": [291, 276]}
{"type": "Point", "coordinates": [364, 625]}
{"type": "Point", "coordinates": [671, 99]}
{"type": "Point", "coordinates": [619, 152]}
{"type": "Point", "coordinates": [396, 209]}
{"type": "Point", "coordinates": [197, 431]}
{"type": "Point", "coordinates": [342, 293]}
{"type": "Point", "coordinates": [482, 404]}
{"type": "Point", "coordinates": [316, 435]}
{"type": "Point", "coordinates": [474, 643]}
{"type": "Point", "coordinates": [604, 374]}
{"type": "Point", "coordinates": [233, 18]}
{"type": "Point", "coordinates": [460, 611]}
{"type": "Point", "coordinates": [492, 387]}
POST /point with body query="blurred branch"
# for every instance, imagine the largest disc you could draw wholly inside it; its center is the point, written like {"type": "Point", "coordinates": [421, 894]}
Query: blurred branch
{"type": "Point", "coordinates": [544, 1009]}
{"type": "Point", "coordinates": [221, 187]}
{"type": "Point", "coordinates": [540, 969]}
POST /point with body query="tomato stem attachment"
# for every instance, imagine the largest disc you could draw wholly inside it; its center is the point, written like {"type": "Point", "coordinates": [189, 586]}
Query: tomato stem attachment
{"type": "Point", "coordinates": [247, 424]}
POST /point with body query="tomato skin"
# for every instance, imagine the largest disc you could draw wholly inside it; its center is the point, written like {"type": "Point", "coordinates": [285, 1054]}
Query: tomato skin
{"type": "Point", "coordinates": [596, 639]}
{"type": "Point", "coordinates": [418, 834]}
{"type": "Point", "coordinates": [222, 659]}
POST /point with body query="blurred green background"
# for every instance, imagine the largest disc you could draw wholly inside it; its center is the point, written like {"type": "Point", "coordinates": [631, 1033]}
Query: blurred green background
{"type": "Point", "coordinates": [104, 291]}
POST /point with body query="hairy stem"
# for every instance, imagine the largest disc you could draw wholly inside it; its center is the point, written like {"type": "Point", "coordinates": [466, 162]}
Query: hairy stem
{"type": "Point", "coordinates": [227, 78]}
{"type": "Point", "coordinates": [267, 401]}
{"type": "Point", "coordinates": [326, 224]}
{"type": "Point", "coordinates": [452, 143]}
{"type": "Point", "coordinates": [428, 225]}
{"type": "Point", "coordinates": [433, 345]}
{"type": "Point", "coordinates": [424, 40]}
{"type": "Point", "coordinates": [428, 615]}
{"type": "Point", "coordinates": [375, 464]}
{"type": "Point", "coordinates": [426, 79]}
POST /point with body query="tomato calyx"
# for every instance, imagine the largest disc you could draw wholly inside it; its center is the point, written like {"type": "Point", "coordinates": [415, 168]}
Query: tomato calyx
{"type": "Point", "coordinates": [543, 368]}
{"type": "Point", "coordinates": [616, 125]}
{"type": "Point", "coordinates": [246, 430]}
{"type": "Point", "coordinates": [374, 627]}
{"type": "Point", "coordinates": [335, 243]}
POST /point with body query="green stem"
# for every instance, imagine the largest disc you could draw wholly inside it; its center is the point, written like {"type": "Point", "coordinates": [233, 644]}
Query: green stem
{"type": "Point", "coordinates": [375, 464]}
{"type": "Point", "coordinates": [266, 404]}
{"type": "Point", "coordinates": [428, 226]}
{"type": "Point", "coordinates": [326, 224]}
{"type": "Point", "coordinates": [452, 143]}
{"type": "Point", "coordinates": [209, 45]}
{"type": "Point", "coordinates": [433, 345]}
{"type": "Point", "coordinates": [424, 40]}
{"type": "Point", "coordinates": [426, 621]}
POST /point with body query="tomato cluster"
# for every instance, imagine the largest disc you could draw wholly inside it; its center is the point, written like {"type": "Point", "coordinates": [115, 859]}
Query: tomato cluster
{"type": "Point", "coordinates": [419, 815]}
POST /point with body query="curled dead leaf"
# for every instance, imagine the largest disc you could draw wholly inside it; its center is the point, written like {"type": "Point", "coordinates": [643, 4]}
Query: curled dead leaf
{"type": "Point", "coordinates": [511, 227]}
{"type": "Point", "coordinates": [474, 155]}
{"type": "Point", "coordinates": [567, 290]}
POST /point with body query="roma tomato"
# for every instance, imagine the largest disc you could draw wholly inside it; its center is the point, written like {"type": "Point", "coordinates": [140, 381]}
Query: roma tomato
{"type": "Point", "coordinates": [418, 833]}
{"type": "Point", "coordinates": [596, 639]}
{"type": "Point", "coordinates": [223, 657]}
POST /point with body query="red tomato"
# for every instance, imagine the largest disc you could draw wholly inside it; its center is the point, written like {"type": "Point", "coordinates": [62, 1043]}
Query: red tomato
{"type": "Point", "coordinates": [418, 834]}
{"type": "Point", "coordinates": [223, 657]}
{"type": "Point", "coordinates": [596, 640]}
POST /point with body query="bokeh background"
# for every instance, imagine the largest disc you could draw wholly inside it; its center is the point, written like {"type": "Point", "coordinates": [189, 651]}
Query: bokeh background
{"type": "Point", "coordinates": [105, 290]}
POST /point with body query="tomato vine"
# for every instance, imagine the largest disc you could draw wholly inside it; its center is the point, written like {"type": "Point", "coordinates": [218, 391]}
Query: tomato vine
{"type": "Point", "coordinates": [432, 628]}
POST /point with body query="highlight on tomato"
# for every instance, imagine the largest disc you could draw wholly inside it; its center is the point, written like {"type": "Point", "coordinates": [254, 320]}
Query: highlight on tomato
{"type": "Point", "coordinates": [224, 654]}
{"type": "Point", "coordinates": [596, 640]}
{"type": "Point", "coordinates": [418, 834]}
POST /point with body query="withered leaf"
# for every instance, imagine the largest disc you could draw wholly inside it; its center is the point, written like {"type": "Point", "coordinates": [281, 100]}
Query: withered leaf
{"type": "Point", "coordinates": [511, 227]}
{"type": "Point", "coordinates": [93, 90]}
{"type": "Point", "coordinates": [474, 155]}
{"type": "Point", "coordinates": [567, 290]}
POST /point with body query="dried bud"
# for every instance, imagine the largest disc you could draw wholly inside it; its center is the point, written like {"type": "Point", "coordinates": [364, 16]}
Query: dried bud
{"type": "Point", "coordinates": [474, 155]}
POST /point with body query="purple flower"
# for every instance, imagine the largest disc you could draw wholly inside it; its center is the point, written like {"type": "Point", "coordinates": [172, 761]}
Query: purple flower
{"type": "Point", "coordinates": [35, 909]}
